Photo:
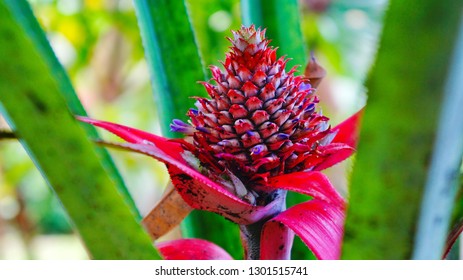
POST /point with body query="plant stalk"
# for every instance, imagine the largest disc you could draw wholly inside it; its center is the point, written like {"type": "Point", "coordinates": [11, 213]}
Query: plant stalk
{"type": "Point", "coordinates": [251, 234]}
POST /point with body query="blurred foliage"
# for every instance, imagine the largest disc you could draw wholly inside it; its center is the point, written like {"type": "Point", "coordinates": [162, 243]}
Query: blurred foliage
{"type": "Point", "coordinates": [99, 80]}
{"type": "Point", "coordinates": [406, 88]}
{"type": "Point", "coordinates": [39, 102]}
{"type": "Point", "coordinates": [344, 33]}
{"type": "Point", "coordinates": [212, 22]}
{"type": "Point", "coordinates": [173, 58]}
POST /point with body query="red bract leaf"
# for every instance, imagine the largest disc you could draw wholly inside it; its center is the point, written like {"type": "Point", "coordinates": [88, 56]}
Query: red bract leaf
{"type": "Point", "coordinates": [192, 249]}
{"type": "Point", "coordinates": [452, 238]}
{"type": "Point", "coordinates": [348, 130]}
{"type": "Point", "coordinates": [319, 224]}
{"type": "Point", "coordinates": [136, 136]}
{"type": "Point", "coordinates": [344, 143]}
{"type": "Point", "coordinates": [314, 184]}
{"type": "Point", "coordinates": [202, 193]}
{"type": "Point", "coordinates": [336, 153]}
{"type": "Point", "coordinates": [276, 241]}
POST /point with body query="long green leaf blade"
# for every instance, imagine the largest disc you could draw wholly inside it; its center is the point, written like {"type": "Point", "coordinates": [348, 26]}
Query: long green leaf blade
{"type": "Point", "coordinates": [35, 33]}
{"type": "Point", "coordinates": [399, 126]}
{"type": "Point", "coordinates": [175, 67]}
{"type": "Point", "coordinates": [172, 56]}
{"type": "Point", "coordinates": [443, 178]}
{"type": "Point", "coordinates": [31, 98]}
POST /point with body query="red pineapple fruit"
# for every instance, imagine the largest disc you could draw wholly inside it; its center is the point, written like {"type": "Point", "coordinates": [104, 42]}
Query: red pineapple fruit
{"type": "Point", "coordinates": [260, 121]}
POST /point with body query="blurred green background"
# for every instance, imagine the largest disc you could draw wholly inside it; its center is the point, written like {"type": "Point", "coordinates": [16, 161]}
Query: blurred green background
{"type": "Point", "coordinates": [99, 44]}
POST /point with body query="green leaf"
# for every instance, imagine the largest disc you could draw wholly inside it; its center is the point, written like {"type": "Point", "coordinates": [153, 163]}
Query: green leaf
{"type": "Point", "coordinates": [282, 20]}
{"type": "Point", "coordinates": [443, 177]}
{"type": "Point", "coordinates": [405, 88]}
{"type": "Point", "coordinates": [35, 95]}
{"type": "Point", "coordinates": [172, 56]}
{"type": "Point", "coordinates": [176, 68]}
{"type": "Point", "coordinates": [33, 30]}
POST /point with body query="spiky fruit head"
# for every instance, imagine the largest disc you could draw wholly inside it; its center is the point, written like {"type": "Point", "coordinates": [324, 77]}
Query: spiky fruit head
{"type": "Point", "coordinates": [260, 120]}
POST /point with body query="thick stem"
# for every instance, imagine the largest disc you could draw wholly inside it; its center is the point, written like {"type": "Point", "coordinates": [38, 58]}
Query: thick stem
{"type": "Point", "coordinates": [251, 234]}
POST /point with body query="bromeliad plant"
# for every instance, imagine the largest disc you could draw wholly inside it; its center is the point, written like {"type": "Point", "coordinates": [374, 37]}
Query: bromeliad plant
{"type": "Point", "coordinates": [258, 136]}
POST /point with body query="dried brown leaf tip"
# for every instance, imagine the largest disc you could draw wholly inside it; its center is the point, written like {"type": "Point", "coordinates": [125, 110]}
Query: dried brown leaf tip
{"type": "Point", "coordinates": [167, 214]}
{"type": "Point", "coordinates": [314, 72]}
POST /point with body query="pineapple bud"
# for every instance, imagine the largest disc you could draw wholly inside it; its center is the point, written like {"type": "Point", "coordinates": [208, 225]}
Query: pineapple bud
{"type": "Point", "coordinates": [260, 120]}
